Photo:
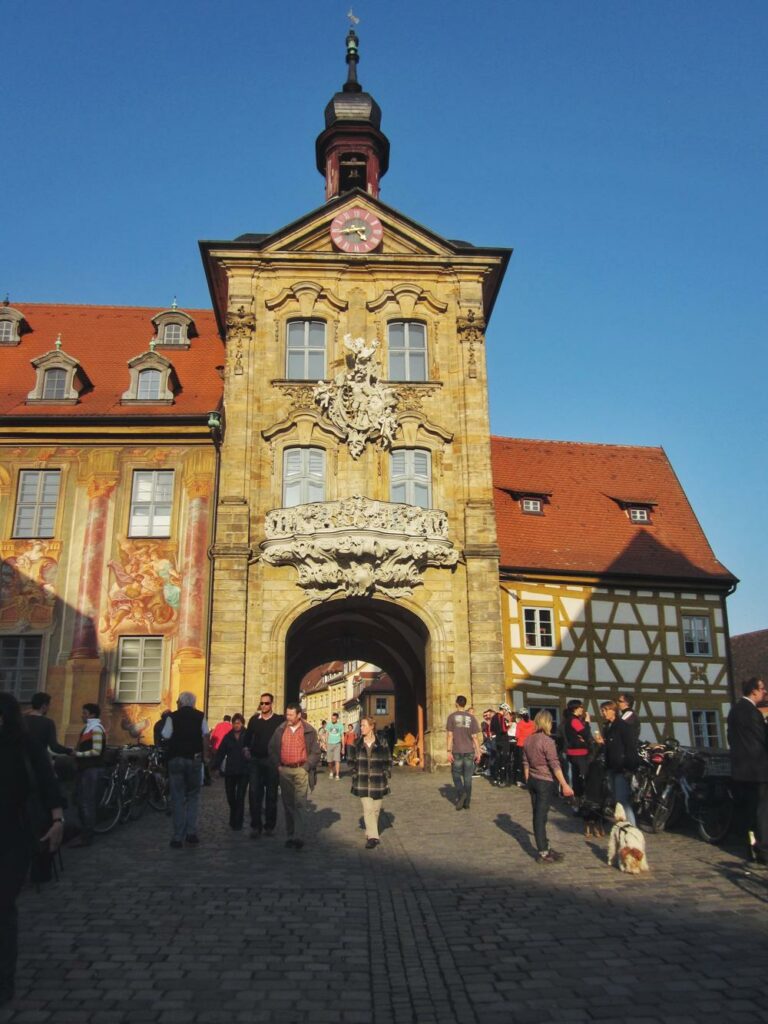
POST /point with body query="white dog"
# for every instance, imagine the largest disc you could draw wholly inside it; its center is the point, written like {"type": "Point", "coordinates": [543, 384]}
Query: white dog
{"type": "Point", "coordinates": [626, 845]}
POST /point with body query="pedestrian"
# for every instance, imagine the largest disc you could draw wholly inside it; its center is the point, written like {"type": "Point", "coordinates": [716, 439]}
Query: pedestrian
{"type": "Point", "coordinates": [322, 739]}
{"type": "Point", "coordinates": [230, 761]}
{"type": "Point", "coordinates": [621, 755]}
{"type": "Point", "coordinates": [499, 725]}
{"type": "Point", "coordinates": [219, 731]}
{"type": "Point", "coordinates": [335, 738]}
{"type": "Point", "coordinates": [89, 763]}
{"type": "Point", "coordinates": [262, 795]}
{"type": "Point", "coordinates": [542, 771]}
{"type": "Point", "coordinates": [295, 753]}
{"type": "Point", "coordinates": [371, 768]}
{"type": "Point", "coordinates": [41, 728]}
{"type": "Point", "coordinates": [577, 737]}
{"type": "Point", "coordinates": [31, 816]}
{"type": "Point", "coordinates": [462, 741]}
{"type": "Point", "coordinates": [626, 705]}
{"type": "Point", "coordinates": [187, 734]}
{"type": "Point", "coordinates": [748, 740]}
{"type": "Point", "coordinates": [349, 740]}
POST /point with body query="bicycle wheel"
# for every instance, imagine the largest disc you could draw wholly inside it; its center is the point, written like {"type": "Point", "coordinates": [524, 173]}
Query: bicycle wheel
{"type": "Point", "coordinates": [140, 793]}
{"type": "Point", "coordinates": [714, 820]}
{"type": "Point", "coordinates": [109, 806]}
{"type": "Point", "coordinates": [157, 791]}
{"type": "Point", "coordinates": [666, 810]}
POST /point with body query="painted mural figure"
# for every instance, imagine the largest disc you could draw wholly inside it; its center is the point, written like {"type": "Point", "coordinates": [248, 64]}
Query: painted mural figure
{"type": "Point", "coordinates": [146, 589]}
{"type": "Point", "coordinates": [27, 583]}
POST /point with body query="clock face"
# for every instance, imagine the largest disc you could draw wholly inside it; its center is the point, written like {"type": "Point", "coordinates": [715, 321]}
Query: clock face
{"type": "Point", "coordinates": [356, 230]}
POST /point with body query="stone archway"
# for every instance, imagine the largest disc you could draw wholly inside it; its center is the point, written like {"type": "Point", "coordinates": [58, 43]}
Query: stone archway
{"type": "Point", "coordinates": [364, 629]}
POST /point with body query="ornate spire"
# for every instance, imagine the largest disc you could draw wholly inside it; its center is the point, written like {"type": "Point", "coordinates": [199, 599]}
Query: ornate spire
{"type": "Point", "coordinates": [353, 58]}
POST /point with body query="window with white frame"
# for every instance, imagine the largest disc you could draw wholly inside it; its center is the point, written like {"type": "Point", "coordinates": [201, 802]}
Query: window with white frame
{"type": "Point", "coordinates": [7, 331]}
{"type": "Point", "coordinates": [381, 705]}
{"type": "Point", "coordinates": [638, 514]}
{"type": "Point", "coordinates": [411, 477]}
{"type": "Point", "coordinates": [149, 383]}
{"type": "Point", "coordinates": [173, 334]}
{"type": "Point", "coordinates": [36, 501]}
{"type": "Point", "coordinates": [303, 476]}
{"type": "Point", "coordinates": [305, 350]}
{"type": "Point", "coordinates": [538, 627]}
{"type": "Point", "coordinates": [531, 506]}
{"type": "Point", "coordinates": [55, 384]}
{"type": "Point", "coordinates": [20, 658]}
{"type": "Point", "coordinates": [407, 345]}
{"type": "Point", "coordinates": [696, 636]}
{"type": "Point", "coordinates": [151, 503]}
{"type": "Point", "coordinates": [139, 669]}
{"type": "Point", "coordinates": [706, 730]}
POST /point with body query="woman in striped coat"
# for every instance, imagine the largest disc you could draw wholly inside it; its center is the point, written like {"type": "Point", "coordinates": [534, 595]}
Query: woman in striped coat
{"type": "Point", "coordinates": [371, 766]}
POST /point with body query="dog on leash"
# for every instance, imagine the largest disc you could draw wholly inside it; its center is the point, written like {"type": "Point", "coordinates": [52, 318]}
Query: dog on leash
{"type": "Point", "coordinates": [626, 845]}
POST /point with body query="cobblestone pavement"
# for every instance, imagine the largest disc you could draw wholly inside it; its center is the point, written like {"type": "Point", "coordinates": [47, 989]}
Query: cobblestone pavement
{"type": "Point", "coordinates": [449, 920]}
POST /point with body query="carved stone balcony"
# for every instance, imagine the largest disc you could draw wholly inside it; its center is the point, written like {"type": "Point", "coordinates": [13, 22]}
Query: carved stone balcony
{"type": "Point", "coordinates": [358, 547]}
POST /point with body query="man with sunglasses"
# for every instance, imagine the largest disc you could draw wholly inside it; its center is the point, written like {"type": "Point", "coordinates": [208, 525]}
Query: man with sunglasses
{"type": "Point", "coordinates": [262, 794]}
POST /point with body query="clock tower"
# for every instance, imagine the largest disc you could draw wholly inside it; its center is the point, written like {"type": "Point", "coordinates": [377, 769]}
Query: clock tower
{"type": "Point", "coordinates": [355, 516]}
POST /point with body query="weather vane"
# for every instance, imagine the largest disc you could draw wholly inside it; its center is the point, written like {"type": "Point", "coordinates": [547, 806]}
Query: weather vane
{"type": "Point", "coordinates": [353, 19]}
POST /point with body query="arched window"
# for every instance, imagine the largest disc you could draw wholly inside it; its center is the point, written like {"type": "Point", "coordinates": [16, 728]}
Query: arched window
{"type": "Point", "coordinates": [55, 384]}
{"type": "Point", "coordinates": [7, 331]}
{"type": "Point", "coordinates": [303, 476]}
{"type": "Point", "coordinates": [305, 350]}
{"type": "Point", "coordinates": [149, 385]}
{"type": "Point", "coordinates": [407, 344]}
{"type": "Point", "coordinates": [173, 334]}
{"type": "Point", "coordinates": [410, 481]}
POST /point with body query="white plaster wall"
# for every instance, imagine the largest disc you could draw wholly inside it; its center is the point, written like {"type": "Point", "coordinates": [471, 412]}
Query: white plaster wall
{"type": "Point", "coordinates": [670, 615]}
{"type": "Point", "coordinates": [637, 643]}
{"type": "Point", "coordinates": [654, 675]}
{"type": "Point", "coordinates": [649, 614]}
{"type": "Point", "coordinates": [625, 614]}
{"type": "Point", "coordinates": [603, 672]}
{"type": "Point", "coordinates": [673, 643]}
{"type": "Point", "coordinates": [629, 669]}
{"type": "Point", "coordinates": [574, 608]}
{"type": "Point", "coordinates": [601, 610]}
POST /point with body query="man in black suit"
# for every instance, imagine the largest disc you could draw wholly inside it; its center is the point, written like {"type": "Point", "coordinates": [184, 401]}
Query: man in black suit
{"type": "Point", "coordinates": [748, 740]}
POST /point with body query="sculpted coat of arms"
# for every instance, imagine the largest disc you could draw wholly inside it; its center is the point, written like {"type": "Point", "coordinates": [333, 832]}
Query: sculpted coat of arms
{"type": "Point", "coordinates": [356, 401]}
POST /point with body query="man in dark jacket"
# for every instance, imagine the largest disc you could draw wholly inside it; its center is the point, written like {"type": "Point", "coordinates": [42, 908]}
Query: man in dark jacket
{"type": "Point", "coordinates": [621, 755]}
{"type": "Point", "coordinates": [748, 740]}
{"type": "Point", "coordinates": [186, 733]}
{"type": "Point", "coordinates": [294, 750]}
{"type": "Point", "coordinates": [263, 774]}
{"type": "Point", "coordinates": [40, 727]}
{"type": "Point", "coordinates": [627, 713]}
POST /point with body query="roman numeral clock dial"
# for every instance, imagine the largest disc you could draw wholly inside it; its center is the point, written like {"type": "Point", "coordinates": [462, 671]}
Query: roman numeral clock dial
{"type": "Point", "coordinates": [356, 230]}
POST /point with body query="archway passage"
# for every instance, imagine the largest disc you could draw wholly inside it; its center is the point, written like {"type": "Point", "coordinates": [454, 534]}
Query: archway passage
{"type": "Point", "coordinates": [362, 629]}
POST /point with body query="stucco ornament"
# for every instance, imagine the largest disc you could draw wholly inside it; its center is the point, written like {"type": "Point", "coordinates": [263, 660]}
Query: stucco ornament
{"type": "Point", "coordinates": [357, 403]}
{"type": "Point", "coordinates": [358, 547]}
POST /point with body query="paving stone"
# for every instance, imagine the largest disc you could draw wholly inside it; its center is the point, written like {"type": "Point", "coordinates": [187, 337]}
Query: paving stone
{"type": "Point", "coordinates": [449, 921]}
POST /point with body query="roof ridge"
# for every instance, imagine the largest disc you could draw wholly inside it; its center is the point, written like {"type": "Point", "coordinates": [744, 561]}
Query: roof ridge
{"type": "Point", "coordinates": [97, 305]}
{"type": "Point", "coordinates": [580, 444]}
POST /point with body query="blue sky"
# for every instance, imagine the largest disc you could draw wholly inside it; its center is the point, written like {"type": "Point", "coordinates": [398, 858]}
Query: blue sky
{"type": "Point", "coordinates": [620, 147]}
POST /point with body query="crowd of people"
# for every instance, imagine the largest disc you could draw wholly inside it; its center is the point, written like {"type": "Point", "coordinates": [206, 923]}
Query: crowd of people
{"type": "Point", "coordinates": [276, 755]}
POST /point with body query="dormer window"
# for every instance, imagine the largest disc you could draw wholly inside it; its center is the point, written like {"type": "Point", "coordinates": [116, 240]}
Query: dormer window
{"type": "Point", "coordinates": [60, 379]}
{"type": "Point", "coordinates": [531, 506]}
{"type": "Point", "coordinates": [637, 510]}
{"type": "Point", "coordinates": [153, 380]}
{"type": "Point", "coordinates": [10, 325]}
{"type": "Point", "coordinates": [173, 328]}
{"type": "Point", "coordinates": [531, 502]}
{"type": "Point", "coordinates": [54, 384]}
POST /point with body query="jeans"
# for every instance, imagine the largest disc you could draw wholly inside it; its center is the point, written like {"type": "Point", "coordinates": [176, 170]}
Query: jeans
{"type": "Point", "coordinates": [263, 793]}
{"type": "Point", "coordinates": [371, 809]}
{"type": "Point", "coordinates": [294, 787]}
{"type": "Point", "coordinates": [186, 778]}
{"type": "Point", "coordinates": [86, 793]}
{"type": "Point", "coordinates": [542, 792]}
{"type": "Point", "coordinates": [462, 770]}
{"type": "Point", "coordinates": [578, 767]}
{"type": "Point", "coordinates": [622, 794]}
{"type": "Point", "coordinates": [236, 787]}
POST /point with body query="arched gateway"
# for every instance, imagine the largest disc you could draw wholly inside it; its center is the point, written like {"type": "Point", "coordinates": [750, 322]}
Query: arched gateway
{"type": "Point", "coordinates": [359, 629]}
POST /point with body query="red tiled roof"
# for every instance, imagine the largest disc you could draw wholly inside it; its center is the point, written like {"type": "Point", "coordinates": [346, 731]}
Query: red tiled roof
{"type": "Point", "coordinates": [749, 653]}
{"type": "Point", "coordinates": [103, 339]}
{"type": "Point", "coordinates": [313, 679]}
{"type": "Point", "coordinates": [583, 528]}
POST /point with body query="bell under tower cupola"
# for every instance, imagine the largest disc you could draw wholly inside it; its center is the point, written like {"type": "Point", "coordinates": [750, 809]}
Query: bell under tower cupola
{"type": "Point", "coordinates": [352, 152]}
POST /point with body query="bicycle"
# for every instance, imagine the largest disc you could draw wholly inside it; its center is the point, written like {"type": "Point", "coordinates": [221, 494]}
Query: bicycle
{"type": "Point", "coordinates": [158, 790]}
{"type": "Point", "coordinates": [109, 800]}
{"type": "Point", "coordinates": [134, 782]}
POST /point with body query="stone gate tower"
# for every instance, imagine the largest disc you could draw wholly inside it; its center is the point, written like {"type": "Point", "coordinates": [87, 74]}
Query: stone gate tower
{"type": "Point", "coordinates": [355, 517]}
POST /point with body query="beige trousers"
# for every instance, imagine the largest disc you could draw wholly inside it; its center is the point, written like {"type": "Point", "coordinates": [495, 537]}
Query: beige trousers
{"type": "Point", "coordinates": [294, 788]}
{"type": "Point", "coordinates": [371, 810]}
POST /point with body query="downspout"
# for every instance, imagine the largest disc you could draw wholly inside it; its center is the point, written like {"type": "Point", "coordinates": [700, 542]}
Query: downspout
{"type": "Point", "coordinates": [728, 657]}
